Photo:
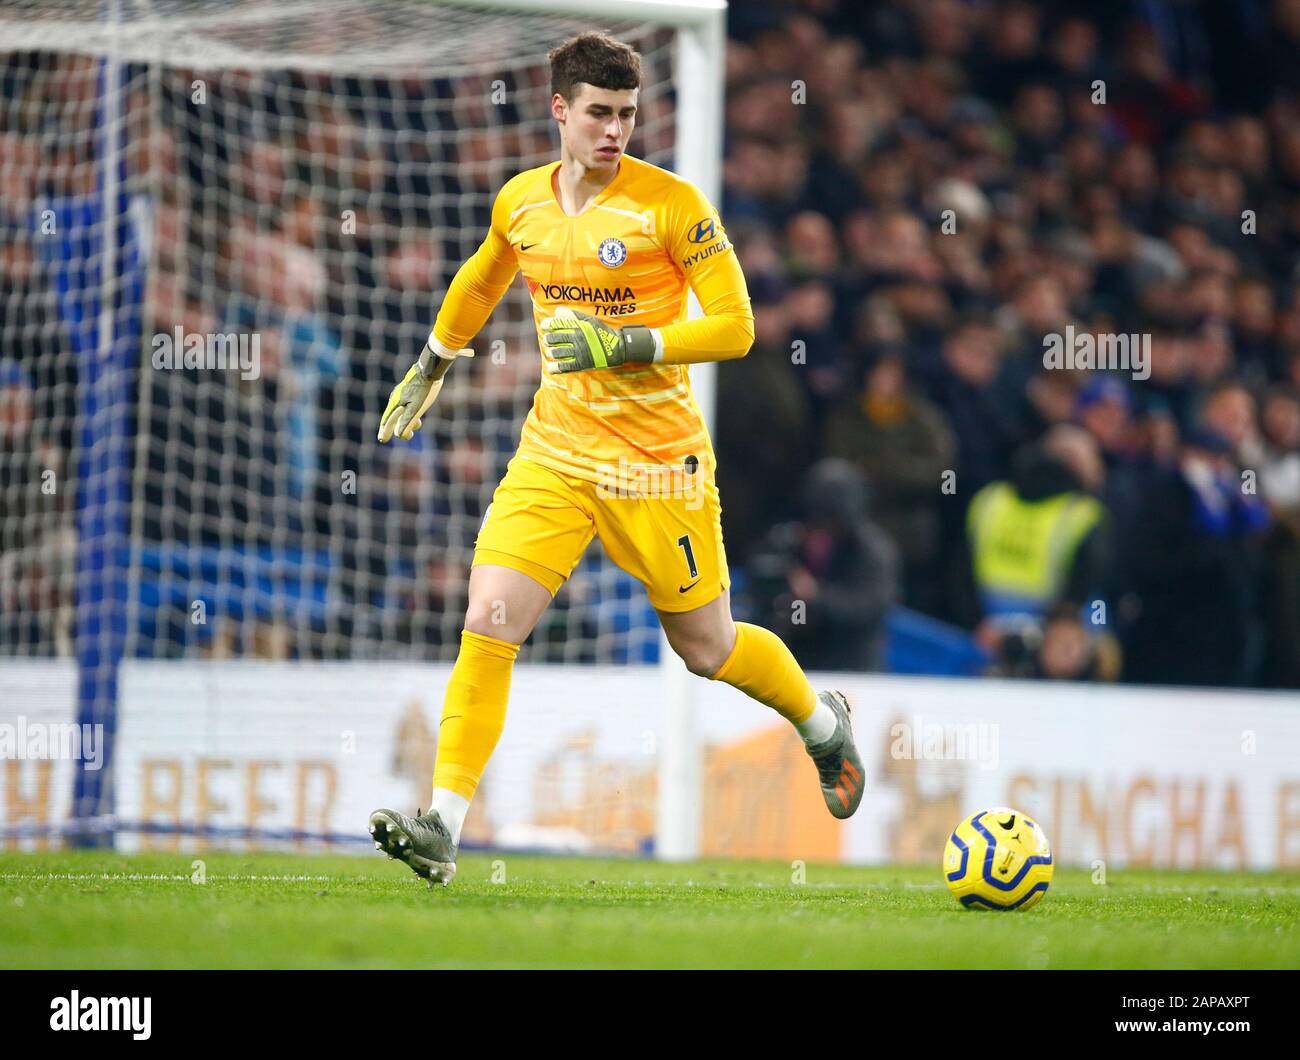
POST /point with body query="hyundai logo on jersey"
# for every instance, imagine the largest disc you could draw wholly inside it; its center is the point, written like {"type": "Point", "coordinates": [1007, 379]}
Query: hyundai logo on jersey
{"type": "Point", "coordinates": [703, 231]}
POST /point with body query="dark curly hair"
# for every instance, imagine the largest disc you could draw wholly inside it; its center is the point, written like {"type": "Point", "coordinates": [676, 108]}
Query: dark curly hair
{"type": "Point", "coordinates": [593, 59]}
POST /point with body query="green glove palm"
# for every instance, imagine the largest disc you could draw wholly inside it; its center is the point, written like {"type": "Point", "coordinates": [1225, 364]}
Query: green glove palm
{"type": "Point", "coordinates": [419, 389]}
{"type": "Point", "coordinates": [578, 342]}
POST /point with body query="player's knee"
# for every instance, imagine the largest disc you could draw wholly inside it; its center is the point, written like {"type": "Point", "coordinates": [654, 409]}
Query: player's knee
{"type": "Point", "coordinates": [491, 618]}
{"type": "Point", "coordinates": [699, 665]}
{"type": "Point", "coordinates": [704, 659]}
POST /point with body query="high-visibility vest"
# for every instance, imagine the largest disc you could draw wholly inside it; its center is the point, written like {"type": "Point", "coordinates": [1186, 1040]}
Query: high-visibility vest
{"type": "Point", "coordinates": [1023, 550]}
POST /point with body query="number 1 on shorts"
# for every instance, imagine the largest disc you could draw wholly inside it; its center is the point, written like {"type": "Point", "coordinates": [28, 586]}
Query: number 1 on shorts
{"type": "Point", "coordinates": [684, 543]}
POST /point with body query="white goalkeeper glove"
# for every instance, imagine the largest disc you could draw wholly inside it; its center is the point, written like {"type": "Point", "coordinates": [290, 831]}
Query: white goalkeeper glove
{"type": "Point", "coordinates": [411, 398]}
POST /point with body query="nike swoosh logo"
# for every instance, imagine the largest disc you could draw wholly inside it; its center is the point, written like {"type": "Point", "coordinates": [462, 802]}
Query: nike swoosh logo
{"type": "Point", "coordinates": [526, 246]}
{"type": "Point", "coordinates": [685, 588]}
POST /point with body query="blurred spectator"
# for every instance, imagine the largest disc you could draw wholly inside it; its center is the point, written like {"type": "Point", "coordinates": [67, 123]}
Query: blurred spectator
{"type": "Point", "coordinates": [1193, 565]}
{"type": "Point", "coordinates": [1042, 538]}
{"type": "Point", "coordinates": [37, 545]}
{"type": "Point", "coordinates": [1060, 648]}
{"type": "Point", "coordinates": [769, 430]}
{"type": "Point", "coordinates": [1279, 453]}
{"type": "Point", "coordinates": [1070, 651]}
{"type": "Point", "coordinates": [826, 581]}
{"type": "Point", "coordinates": [282, 281]}
{"type": "Point", "coordinates": [903, 445]}
{"type": "Point", "coordinates": [984, 431]}
{"type": "Point", "coordinates": [1230, 412]}
{"type": "Point", "coordinates": [1103, 408]}
{"type": "Point", "coordinates": [1279, 484]}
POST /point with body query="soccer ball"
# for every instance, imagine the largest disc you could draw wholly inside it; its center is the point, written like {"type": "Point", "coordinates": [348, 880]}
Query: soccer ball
{"type": "Point", "coordinates": [997, 859]}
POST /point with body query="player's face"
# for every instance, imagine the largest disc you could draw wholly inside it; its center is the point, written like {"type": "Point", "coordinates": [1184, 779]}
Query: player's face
{"type": "Point", "coordinates": [597, 124]}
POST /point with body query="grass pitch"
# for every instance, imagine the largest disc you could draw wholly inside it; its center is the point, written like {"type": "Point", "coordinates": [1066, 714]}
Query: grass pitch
{"type": "Point", "coordinates": [89, 909]}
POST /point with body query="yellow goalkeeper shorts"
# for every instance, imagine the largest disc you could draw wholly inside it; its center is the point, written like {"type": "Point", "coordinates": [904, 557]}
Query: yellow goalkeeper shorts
{"type": "Point", "coordinates": [664, 529]}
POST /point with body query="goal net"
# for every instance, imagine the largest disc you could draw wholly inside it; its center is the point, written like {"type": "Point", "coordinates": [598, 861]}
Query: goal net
{"type": "Point", "coordinates": [225, 230]}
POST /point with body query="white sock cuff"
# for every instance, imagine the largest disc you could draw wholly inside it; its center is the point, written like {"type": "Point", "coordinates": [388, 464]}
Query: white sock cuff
{"type": "Point", "coordinates": [451, 808]}
{"type": "Point", "coordinates": [819, 726]}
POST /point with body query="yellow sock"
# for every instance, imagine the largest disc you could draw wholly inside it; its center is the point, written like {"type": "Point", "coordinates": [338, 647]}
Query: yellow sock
{"type": "Point", "coordinates": [473, 711]}
{"type": "Point", "coordinates": [760, 665]}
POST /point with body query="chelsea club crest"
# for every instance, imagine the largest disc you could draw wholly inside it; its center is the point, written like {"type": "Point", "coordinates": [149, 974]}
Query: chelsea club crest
{"type": "Point", "coordinates": [612, 253]}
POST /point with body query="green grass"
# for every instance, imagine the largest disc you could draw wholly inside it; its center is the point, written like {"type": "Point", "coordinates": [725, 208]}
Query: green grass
{"type": "Point", "coordinates": [366, 912]}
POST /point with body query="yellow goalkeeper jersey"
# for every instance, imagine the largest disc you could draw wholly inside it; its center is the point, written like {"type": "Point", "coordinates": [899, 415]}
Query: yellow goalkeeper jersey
{"type": "Point", "coordinates": [630, 257]}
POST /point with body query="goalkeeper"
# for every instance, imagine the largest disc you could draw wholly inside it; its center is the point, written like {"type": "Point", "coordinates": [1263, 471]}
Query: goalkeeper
{"type": "Point", "coordinates": [609, 246]}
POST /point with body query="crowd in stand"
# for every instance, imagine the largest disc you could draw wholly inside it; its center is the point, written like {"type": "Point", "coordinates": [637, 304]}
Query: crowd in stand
{"type": "Point", "coordinates": [925, 195]}
{"type": "Point", "coordinates": [951, 185]}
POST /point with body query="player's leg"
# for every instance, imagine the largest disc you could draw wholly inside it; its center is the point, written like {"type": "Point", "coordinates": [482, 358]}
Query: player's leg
{"type": "Point", "coordinates": [673, 545]}
{"type": "Point", "coordinates": [504, 606]}
{"type": "Point", "coordinates": [757, 662]}
{"type": "Point", "coordinates": [532, 536]}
